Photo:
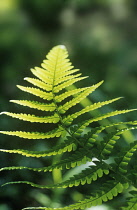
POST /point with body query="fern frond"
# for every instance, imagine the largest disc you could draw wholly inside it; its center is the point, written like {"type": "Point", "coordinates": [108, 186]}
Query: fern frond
{"type": "Point", "coordinates": [52, 84]}
{"type": "Point", "coordinates": [92, 107]}
{"type": "Point", "coordinates": [36, 92]}
{"type": "Point", "coordinates": [66, 84]}
{"type": "Point", "coordinates": [125, 157]}
{"type": "Point", "coordinates": [66, 73]}
{"type": "Point", "coordinates": [32, 118]}
{"type": "Point", "coordinates": [131, 202]}
{"type": "Point", "coordinates": [110, 140]}
{"type": "Point", "coordinates": [21, 168]}
{"type": "Point", "coordinates": [117, 124]}
{"type": "Point", "coordinates": [66, 146]}
{"type": "Point", "coordinates": [86, 176]}
{"type": "Point", "coordinates": [66, 78]}
{"type": "Point", "coordinates": [110, 190]}
{"type": "Point", "coordinates": [80, 156]}
{"type": "Point", "coordinates": [26, 182]}
{"type": "Point", "coordinates": [75, 160]}
{"type": "Point", "coordinates": [66, 70]}
{"type": "Point", "coordinates": [36, 105]}
{"type": "Point", "coordinates": [35, 135]}
{"type": "Point", "coordinates": [43, 75]}
{"type": "Point", "coordinates": [61, 64]}
{"type": "Point", "coordinates": [61, 97]}
{"type": "Point", "coordinates": [86, 123]}
{"type": "Point", "coordinates": [79, 97]}
{"type": "Point", "coordinates": [38, 83]}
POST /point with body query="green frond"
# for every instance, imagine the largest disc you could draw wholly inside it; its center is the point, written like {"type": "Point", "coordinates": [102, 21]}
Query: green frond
{"type": "Point", "coordinates": [114, 136]}
{"type": "Point", "coordinates": [86, 123]}
{"type": "Point", "coordinates": [57, 70]}
{"type": "Point", "coordinates": [26, 182]}
{"type": "Point", "coordinates": [38, 83]}
{"type": "Point", "coordinates": [21, 168]}
{"type": "Point", "coordinates": [42, 75]}
{"type": "Point", "coordinates": [66, 73]}
{"type": "Point", "coordinates": [80, 157]}
{"type": "Point", "coordinates": [111, 190]}
{"type": "Point", "coordinates": [27, 153]}
{"type": "Point", "coordinates": [35, 135]}
{"type": "Point", "coordinates": [117, 124]}
{"type": "Point", "coordinates": [66, 84]}
{"type": "Point", "coordinates": [79, 97]}
{"type": "Point", "coordinates": [61, 65]}
{"type": "Point", "coordinates": [56, 73]}
{"type": "Point", "coordinates": [36, 92]}
{"type": "Point", "coordinates": [108, 145]}
{"type": "Point", "coordinates": [75, 160]}
{"type": "Point", "coordinates": [36, 105]}
{"type": "Point", "coordinates": [45, 73]}
{"type": "Point", "coordinates": [131, 202]}
{"type": "Point", "coordinates": [68, 93]}
{"type": "Point", "coordinates": [92, 107]}
{"type": "Point", "coordinates": [66, 163]}
{"type": "Point", "coordinates": [54, 51]}
{"type": "Point", "coordinates": [93, 134]}
{"type": "Point", "coordinates": [66, 78]}
{"type": "Point", "coordinates": [52, 83]}
{"type": "Point", "coordinates": [110, 140]}
{"type": "Point", "coordinates": [125, 157]}
{"type": "Point", "coordinates": [64, 69]}
{"type": "Point", "coordinates": [66, 146]}
{"type": "Point", "coordinates": [86, 176]}
{"type": "Point", "coordinates": [32, 118]}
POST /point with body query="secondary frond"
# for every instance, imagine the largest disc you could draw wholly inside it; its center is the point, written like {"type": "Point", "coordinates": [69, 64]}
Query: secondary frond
{"type": "Point", "coordinates": [38, 83]}
{"type": "Point", "coordinates": [35, 135]}
{"type": "Point", "coordinates": [125, 157]}
{"type": "Point", "coordinates": [107, 192]}
{"type": "Point", "coordinates": [92, 173]}
{"type": "Point", "coordinates": [86, 123]}
{"type": "Point", "coordinates": [131, 203]}
{"type": "Point", "coordinates": [92, 107]}
{"type": "Point", "coordinates": [66, 146]}
{"type": "Point", "coordinates": [32, 118]}
{"type": "Point", "coordinates": [36, 92]}
{"type": "Point", "coordinates": [79, 98]}
{"type": "Point", "coordinates": [36, 105]}
{"type": "Point", "coordinates": [109, 141]}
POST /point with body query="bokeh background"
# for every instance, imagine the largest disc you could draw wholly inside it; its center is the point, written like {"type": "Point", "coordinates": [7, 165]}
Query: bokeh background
{"type": "Point", "coordinates": [101, 37]}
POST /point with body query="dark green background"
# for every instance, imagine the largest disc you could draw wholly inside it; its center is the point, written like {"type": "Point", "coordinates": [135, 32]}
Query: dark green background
{"type": "Point", "coordinates": [101, 37]}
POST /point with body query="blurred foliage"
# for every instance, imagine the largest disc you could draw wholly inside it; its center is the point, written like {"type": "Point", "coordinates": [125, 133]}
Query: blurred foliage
{"type": "Point", "coordinates": [101, 37]}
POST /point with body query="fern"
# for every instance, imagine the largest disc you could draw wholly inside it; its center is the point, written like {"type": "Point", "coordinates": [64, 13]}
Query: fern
{"type": "Point", "coordinates": [51, 84]}
{"type": "Point", "coordinates": [132, 202]}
